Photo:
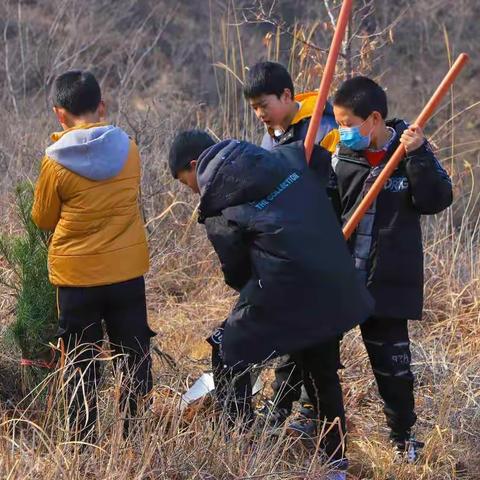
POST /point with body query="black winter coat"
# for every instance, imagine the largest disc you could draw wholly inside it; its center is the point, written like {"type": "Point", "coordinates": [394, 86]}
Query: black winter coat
{"type": "Point", "coordinates": [387, 245]}
{"type": "Point", "coordinates": [281, 247]}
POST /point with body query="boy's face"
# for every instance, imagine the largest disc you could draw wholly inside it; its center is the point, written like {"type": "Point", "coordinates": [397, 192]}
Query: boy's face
{"type": "Point", "coordinates": [188, 177]}
{"type": "Point", "coordinates": [368, 127]}
{"type": "Point", "coordinates": [273, 110]}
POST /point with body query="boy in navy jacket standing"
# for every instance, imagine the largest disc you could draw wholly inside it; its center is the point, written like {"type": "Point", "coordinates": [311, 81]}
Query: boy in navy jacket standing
{"type": "Point", "coordinates": [387, 245]}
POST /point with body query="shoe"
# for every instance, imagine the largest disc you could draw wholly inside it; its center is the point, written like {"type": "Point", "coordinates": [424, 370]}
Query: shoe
{"type": "Point", "coordinates": [305, 423]}
{"type": "Point", "coordinates": [307, 410]}
{"type": "Point", "coordinates": [336, 476]}
{"type": "Point", "coordinates": [304, 426]}
{"type": "Point", "coordinates": [408, 449]}
{"type": "Point", "coordinates": [338, 471]}
{"type": "Point", "coordinates": [271, 418]}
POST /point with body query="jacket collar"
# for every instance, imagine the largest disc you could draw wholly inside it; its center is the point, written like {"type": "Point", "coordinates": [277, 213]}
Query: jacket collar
{"type": "Point", "coordinates": [55, 136]}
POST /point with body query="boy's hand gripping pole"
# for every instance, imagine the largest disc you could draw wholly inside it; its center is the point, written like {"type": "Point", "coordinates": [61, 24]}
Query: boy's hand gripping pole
{"type": "Point", "coordinates": [399, 153]}
{"type": "Point", "coordinates": [327, 77]}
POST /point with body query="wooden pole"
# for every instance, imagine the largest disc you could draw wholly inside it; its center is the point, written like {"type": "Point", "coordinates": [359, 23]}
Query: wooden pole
{"type": "Point", "coordinates": [327, 77]}
{"type": "Point", "coordinates": [399, 153]}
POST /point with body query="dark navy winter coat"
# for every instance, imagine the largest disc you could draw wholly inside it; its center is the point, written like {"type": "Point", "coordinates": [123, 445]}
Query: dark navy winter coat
{"type": "Point", "coordinates": [387, 245]}
{"type": "Point", "coordinates": [280, 245]}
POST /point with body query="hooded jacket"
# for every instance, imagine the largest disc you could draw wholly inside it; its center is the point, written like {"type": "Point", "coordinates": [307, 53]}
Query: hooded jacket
{"type": "Point", "coordinates": [87, 193]}
{"type": "Point", "coordinates": [387, 245]}
{"type": "Point", "coordinates": [327, 134]}
{"type": "Point", "coordinates": [280, 246]}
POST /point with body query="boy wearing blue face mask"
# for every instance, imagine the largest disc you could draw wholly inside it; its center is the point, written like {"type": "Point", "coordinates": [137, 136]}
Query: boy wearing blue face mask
{"type": "Point", "coordinates": [387, 245]}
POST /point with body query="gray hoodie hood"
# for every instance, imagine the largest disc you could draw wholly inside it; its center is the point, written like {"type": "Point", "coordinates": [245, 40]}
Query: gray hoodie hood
{"type": "Point", "coordinates": [97, 153]}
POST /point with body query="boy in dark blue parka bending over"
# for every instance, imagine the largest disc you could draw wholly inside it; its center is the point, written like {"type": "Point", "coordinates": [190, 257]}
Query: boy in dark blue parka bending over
{"type": "Point", "coordinates": [281, 248]}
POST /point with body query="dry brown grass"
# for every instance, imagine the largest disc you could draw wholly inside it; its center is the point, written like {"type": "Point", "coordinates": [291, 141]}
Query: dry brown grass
{"type": "Point", "coordinates": [446, 352]}
{"type": "Point", "coordinates": [185, 290]}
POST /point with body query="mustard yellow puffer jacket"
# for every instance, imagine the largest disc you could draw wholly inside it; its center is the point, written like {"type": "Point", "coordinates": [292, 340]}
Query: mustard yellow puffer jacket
{"type": "Point", "coordinates": [88, 194]}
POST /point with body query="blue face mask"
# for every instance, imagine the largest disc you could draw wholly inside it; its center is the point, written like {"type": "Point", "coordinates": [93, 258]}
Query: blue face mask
{"type": "Point", "coordinates": [353, 139]}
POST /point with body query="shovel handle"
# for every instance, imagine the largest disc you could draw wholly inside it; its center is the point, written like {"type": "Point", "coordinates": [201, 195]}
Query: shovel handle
{"type": "Point", "coordinates": [399, 153]}
{"type": "Point", "coordinates": [327, 77]}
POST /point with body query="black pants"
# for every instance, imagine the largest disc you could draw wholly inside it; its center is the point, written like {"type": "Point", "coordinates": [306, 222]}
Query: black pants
{"type": "Point", "coordinates": [122, 307]}
{"type": "Point", "coordinates": [288, 384]}
{"type": "Point", "coordinates": [318, 371]}
{"type": "Point", "coordinates": [233, 386]}
{"type": "Point", "coordinates": [318, 366]}
{"type": "Point", "coordinates": [388, 347]}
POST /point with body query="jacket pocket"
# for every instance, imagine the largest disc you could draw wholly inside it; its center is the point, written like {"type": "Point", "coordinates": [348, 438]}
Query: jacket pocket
{"type": "Point", "coordinates": [397, 259]}
{"type": "Point", "coordinates": [265, 293]}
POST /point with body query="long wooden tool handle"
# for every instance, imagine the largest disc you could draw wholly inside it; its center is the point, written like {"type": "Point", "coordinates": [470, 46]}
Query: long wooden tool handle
{"type": "Point", "coordinates": [327, 77]}
{"type": "Point", "coordinates": [399, 153]}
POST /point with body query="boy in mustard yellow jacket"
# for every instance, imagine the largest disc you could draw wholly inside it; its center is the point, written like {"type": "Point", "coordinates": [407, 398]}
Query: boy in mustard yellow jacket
{"type": "Point", "coordinates": [88, 195]}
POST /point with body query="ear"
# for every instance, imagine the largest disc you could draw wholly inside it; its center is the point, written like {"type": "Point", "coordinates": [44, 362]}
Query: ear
{"type": "Point", "coordinates": [102, 110]}
{"type": "Point", "coordinates": [193, 165]}
{"type": "Point", "coordinates": [377, 117]}
{"type": "Point", "coordinates": [286, 95]}
{"type": "Point", "coordinates": [61, 115]}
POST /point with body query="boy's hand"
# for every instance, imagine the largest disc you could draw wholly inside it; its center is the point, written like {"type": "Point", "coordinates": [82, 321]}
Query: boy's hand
{"type": "Point", "coordinates": [412, 138]}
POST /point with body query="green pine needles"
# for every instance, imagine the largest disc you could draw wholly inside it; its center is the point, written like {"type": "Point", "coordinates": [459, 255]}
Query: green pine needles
{"type": "Point", "coordinates": [35, 320]}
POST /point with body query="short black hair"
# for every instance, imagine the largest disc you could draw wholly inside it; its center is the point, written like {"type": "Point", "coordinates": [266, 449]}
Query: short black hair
{"type": "Point", "coordinates": [363, 96]}
{"type": "Point", "coordinates": [187, 146]}
{"type": "Point", "coordinates": [267, 78]}
{"type": "Point", "coordinates": [77, 91]}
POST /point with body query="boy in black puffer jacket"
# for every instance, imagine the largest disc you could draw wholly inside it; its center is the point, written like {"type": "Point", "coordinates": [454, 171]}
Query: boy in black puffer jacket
{"type": "Point", "coordinates": [280, 246]}
{"type": "Point", "coordinates": [387, 245]}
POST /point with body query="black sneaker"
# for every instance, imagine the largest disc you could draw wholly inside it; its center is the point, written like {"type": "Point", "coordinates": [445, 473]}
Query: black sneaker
{"type": "Point", "coordinates": [307, 411]}
{"type": "Point", "coordinates": [271, 418]}
{"type": "Point", "coordinates": [305, 423]}
{"type": "Point", "coordinates": [409, 449]}
{"type": "Point", "coordinates": [305, 428]}
{"type": "Point", "coordinates": [338, 470]}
